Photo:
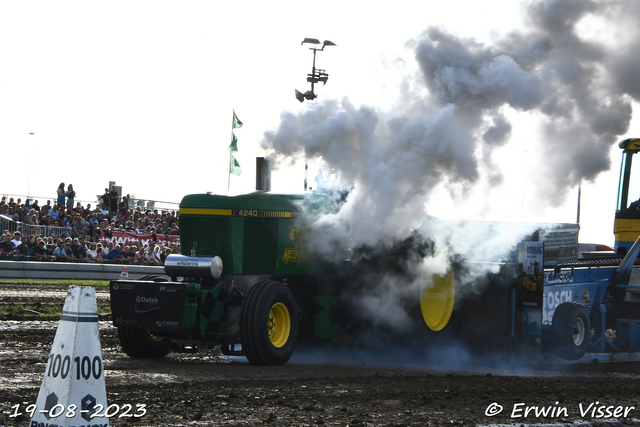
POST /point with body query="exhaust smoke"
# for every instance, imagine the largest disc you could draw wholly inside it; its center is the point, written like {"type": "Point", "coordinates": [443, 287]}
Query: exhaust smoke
{"type": "Point", "coordinates": [445, 134]}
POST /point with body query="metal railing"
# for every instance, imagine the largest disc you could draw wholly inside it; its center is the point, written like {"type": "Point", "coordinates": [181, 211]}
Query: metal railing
{"type": "Point", "coordinates": [7, 223]}
{"type": "Point", "coordinates": [78, 271]}
{"type": "Point", "coordinates": [133, 202]}
{"type": "Point", "coordinates": [30, 258]}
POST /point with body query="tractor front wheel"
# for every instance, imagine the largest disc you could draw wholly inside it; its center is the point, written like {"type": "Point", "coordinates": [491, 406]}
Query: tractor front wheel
{"type": "Point", "coordinates": [140, 343]}
{"type": "Point", "coordinates": [269, 324]}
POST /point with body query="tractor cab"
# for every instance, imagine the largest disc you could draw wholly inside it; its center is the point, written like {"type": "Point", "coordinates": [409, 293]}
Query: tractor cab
{"type": "Point", "coordinates": [626, 226]}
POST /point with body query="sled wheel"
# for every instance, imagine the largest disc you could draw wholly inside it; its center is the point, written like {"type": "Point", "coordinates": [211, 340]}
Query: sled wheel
{"type": "Point", "coordinates": [140, 343]}
{"type": "Point", "coordinates": [570, 330]}
{"type": "Point", "coordinates": [269, 324]}
{"type": "Point", "coordinates": [437, 299]}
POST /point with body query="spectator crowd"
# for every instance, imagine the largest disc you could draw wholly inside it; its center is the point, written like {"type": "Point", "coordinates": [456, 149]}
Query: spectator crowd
{"type": "Point", "coordinates": [77, 233]}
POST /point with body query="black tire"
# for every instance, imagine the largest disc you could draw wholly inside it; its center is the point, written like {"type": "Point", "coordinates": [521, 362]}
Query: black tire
{"type": "Point", "coordinates": [140, 343]}
{"type": "Point", "coordinates": [264, 341]}
{"type": "Point", "coordinates": [570, 329]}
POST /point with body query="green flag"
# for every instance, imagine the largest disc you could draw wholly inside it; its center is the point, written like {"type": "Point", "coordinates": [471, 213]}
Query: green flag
{"type": "Point", "coordinates": [234, 166]}
{"type": "Point", "coordinates": [234, 143]}
{"type": "Point", "coordinates": [236, 121]}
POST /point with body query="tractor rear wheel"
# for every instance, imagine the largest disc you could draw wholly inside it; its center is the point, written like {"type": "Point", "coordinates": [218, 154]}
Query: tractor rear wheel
{"type": "Point", "coordinates": [437, 299]}
{"type": "Point", "coordinates": [269, 324]}
{"type": "Point", "coordinates": [570, 330]}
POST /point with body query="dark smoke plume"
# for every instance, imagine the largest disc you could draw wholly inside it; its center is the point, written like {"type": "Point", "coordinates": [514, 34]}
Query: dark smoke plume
{"type": "Point", "coordinates": [448, 122]}
{"type": "Point", "coordinates": [581, 89]}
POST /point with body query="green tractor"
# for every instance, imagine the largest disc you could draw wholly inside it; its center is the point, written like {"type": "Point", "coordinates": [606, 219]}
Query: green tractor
{"type": "Point", "coordinates": [246, 281]}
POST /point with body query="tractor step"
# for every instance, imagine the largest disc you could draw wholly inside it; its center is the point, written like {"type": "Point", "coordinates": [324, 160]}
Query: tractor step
{"type": "Point", "coordinates": [230, 349]}
{"type": "Point", "coordinates": [183, 348]}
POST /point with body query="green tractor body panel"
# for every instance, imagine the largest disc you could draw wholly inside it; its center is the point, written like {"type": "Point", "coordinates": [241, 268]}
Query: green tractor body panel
{"type": "Point", "coordinates": [257, 233]}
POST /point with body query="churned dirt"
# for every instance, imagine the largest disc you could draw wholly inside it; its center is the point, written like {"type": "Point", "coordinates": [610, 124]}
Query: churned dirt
{"type": "Point", "coordinates": [333, 387]}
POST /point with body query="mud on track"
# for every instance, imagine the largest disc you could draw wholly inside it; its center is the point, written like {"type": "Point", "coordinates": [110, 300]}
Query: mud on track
{"type": "Point", "coordinates": [205, 389]}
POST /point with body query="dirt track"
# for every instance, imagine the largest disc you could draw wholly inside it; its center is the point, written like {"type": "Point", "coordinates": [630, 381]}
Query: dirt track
{"type": "Point", "coordinates": [348, 388]}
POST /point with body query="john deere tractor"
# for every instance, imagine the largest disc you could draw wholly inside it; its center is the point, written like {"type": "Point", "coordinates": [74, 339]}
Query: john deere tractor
{"type": "Point", "coordinates": [246, 281]}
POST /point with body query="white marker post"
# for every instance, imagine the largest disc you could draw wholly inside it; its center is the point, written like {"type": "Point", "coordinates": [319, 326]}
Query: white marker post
{"type": "Point", "coordinates": [73, 390]}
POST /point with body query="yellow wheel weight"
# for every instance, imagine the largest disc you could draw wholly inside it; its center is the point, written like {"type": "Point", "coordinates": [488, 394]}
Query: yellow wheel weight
{"type": "Point", "coordinates": [436, 301]}
{"type": "Point", "coordinates": [279, 324]}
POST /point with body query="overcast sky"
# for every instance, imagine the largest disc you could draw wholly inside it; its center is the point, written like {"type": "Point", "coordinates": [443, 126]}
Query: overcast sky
{"type": "Point", "coordinates": [532, 97]}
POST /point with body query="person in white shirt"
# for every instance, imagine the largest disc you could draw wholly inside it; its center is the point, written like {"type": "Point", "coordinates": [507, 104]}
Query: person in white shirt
{"type": "Point", "coordinates": [92, 255]}
{"type": "Point", "coordinates": [17, 238]}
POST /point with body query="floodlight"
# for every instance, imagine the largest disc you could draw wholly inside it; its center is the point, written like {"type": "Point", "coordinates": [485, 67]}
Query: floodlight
{"type": "Point", "coordinates": [328, 43]}
{"type": "Point", "coordinates": [312, 41]}
{"type": "Point", "coordinates": [317, 75]}
{"type": "Point", "coordinates": [309, 95]}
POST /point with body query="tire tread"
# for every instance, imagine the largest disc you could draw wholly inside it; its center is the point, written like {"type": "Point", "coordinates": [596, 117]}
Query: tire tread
{"type": "Point", "coordinates": [256, 346]}
{"type": "Point", "coordinates": [562, 330]}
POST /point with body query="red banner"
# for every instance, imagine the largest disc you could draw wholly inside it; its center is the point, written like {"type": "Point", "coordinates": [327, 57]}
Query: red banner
{"type": "Point", "coordinates": [125, 238]}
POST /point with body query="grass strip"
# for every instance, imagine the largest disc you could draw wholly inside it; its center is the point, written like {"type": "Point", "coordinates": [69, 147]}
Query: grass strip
{"type": "Point", "coordinates": [62, 282]}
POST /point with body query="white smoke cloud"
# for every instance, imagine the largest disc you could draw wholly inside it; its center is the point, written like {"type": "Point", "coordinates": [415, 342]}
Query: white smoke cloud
{"type": "Point", "coordinates": [581, 89]}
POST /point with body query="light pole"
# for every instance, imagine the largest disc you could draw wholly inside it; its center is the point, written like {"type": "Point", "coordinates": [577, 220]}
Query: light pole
{"type": "Point", "coordinates": [29, 180]}
{"type": "Point", "coordinates": [317, 75]}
